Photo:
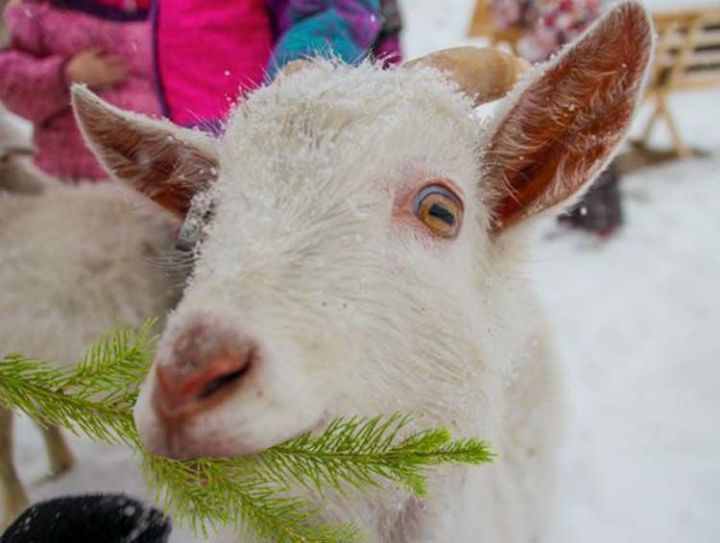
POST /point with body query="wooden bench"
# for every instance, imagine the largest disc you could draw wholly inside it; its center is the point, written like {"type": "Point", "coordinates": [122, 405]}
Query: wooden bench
{"type": "Point", "coordinates": [687, 58]}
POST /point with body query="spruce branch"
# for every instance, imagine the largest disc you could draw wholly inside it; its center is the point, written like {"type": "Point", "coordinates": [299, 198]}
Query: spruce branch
{"type": "Point", "coordinates": [39, 391]}
{"type": "Point", "coordinates": [209, 493]}
{"type": "Point", "coordinates": [93, 398]}
{"type": "Point", "coordinates": [96, 398]}
{"type": "Point", "coordinates": [116, 365]}
{"type": "Point", "coordinates": [363, 452]}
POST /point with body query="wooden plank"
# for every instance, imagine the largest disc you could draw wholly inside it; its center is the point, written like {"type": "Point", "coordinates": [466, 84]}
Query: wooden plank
{"type": "Point", "coordinates": [698, 81]}
{"type": "Point", "coordinates": [697, 59]}
{"type": "Point", "coordinates": [664, 17]}
{"type": "Point", "coordinates": [708, 38]}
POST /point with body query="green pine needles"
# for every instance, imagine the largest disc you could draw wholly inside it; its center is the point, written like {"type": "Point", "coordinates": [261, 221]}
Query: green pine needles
{"type": "Point", "coordinates": [259, 493]}
{"type": "Point", "coordinates": [94, 398]}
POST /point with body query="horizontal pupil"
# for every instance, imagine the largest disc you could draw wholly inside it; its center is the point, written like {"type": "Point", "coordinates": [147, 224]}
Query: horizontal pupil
{"type": "Point", "coordinates": [442, 213]}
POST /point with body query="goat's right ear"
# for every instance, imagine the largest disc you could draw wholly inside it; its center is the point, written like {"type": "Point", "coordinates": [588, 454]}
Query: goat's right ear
{"type": "Point", "coordinates": [567, 120]}
{"type": "Point", "coordinates": [167, 163]}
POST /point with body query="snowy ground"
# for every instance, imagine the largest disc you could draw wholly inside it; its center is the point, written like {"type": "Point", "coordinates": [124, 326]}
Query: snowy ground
{"type": "Point", "coordinates": [636, 320]}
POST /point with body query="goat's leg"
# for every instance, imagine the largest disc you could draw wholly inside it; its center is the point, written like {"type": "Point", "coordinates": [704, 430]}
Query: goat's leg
{"type": "Point", "coordinates": [59, 454]}
{"type": "Point", "coordinates": [13, 494]}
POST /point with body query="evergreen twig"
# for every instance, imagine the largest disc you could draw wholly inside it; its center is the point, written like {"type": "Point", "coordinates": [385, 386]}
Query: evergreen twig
{"type": "Point", "coordinates": [362, 452]}
{"type": "Point", "coordinates": [116, 365]}
{"type": "Point", "coordinates": [209, 493]}
{"type": "Point", "coordinates": [93, 398]}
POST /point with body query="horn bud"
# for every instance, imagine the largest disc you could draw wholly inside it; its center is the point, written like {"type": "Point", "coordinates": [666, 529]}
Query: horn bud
{"type": "Point", "coordinates": [483, 73]}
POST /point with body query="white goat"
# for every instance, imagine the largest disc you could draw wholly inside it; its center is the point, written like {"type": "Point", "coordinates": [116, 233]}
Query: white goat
{"type": "Point", "coordinates": [362, 255]}
{"type": "Point", "coordinates": [74, 263]}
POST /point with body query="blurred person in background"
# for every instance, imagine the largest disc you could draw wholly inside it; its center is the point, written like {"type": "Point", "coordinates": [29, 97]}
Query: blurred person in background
{"type": "Point", "coordinates": [210, 52]}
{"type": "Point", "coordinates": [546, 26]}
{"type": "Point", "coordinates": [189, 60]}
{"type": "Point", "coordinates": [104, 44]}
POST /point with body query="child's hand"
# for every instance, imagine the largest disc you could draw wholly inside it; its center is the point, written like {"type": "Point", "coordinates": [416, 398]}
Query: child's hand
{"type": "Point", "coordinates": [96, 69]}
{"type": "Point", "coordinates": [10, 4]}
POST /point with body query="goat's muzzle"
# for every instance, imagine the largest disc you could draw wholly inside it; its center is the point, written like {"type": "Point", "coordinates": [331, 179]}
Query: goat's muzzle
{"type": "Point", "coordinates": [204, 369]}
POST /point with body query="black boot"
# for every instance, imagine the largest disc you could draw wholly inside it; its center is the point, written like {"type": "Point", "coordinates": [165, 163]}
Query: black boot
{"type": "Point", "coordinates": [600, 210]}
{"type": "Point", "coordinates": [99, 518]}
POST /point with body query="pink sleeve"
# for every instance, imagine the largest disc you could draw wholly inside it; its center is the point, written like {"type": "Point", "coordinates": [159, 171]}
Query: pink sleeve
{"type": "Point", "coordinates": [32, 81]}
{"type": "Point", "coordinates": [34, 88]}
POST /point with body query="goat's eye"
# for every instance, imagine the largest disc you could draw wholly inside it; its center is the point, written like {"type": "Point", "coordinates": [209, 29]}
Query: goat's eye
{"type": "Point", "coordinates": [440, 209]}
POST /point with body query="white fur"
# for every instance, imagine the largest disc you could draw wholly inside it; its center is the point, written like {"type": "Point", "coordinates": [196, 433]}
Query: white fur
{"type": "Point", "coordinates": [74, 263]}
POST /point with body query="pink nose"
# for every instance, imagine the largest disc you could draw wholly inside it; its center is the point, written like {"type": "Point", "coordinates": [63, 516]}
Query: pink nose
{"type": "Point", "coordinates": [199, 377]}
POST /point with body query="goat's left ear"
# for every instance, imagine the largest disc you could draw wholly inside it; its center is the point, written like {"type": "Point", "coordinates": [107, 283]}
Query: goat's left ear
{"type": "Point", "coordinates": [564, 124]}
{"type": "Point", "coordinates": [166, 163]}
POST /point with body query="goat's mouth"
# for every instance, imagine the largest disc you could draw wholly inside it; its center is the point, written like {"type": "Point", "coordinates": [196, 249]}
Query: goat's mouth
{"type": "Point", "coordinates": [190, 442]}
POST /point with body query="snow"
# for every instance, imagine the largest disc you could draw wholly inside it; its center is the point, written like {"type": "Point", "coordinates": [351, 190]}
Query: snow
{"type": "Point", "coordinates": [635, 318]}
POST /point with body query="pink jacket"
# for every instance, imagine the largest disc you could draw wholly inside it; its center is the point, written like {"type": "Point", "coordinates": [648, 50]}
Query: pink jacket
{"type": "Point", "coordinates": [45, 35]}
{"type": "Point", "coordinates": [207, 50]}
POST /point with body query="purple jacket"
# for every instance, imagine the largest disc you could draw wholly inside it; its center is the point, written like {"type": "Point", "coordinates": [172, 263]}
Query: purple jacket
{"type": "Point", "coordinates": [374, 26]}
{"type": "Point", "coordinates": [45, 36]}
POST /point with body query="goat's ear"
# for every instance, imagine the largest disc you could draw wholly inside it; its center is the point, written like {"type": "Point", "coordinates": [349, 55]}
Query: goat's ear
{"type": "Point", "coordinates": [167, 163]}
{"type": "Point", "coordinates": [563, 125]}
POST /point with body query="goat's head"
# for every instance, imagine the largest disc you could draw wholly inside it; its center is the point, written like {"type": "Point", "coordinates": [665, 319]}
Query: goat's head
{"type": "Point", "coordinates": [355, 218]}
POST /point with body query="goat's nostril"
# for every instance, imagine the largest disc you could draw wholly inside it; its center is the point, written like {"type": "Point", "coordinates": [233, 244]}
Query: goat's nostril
{"type": "Point", "coordinates": [221, 382]}
{"type": "Point", "coordinates": [181, 392]}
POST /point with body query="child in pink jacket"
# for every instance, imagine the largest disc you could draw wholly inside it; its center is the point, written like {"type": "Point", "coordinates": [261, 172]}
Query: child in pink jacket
{"type": "Point", "coordinates": [54, 43]}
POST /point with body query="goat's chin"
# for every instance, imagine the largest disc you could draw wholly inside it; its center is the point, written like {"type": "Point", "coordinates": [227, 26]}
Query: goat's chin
{"type": "Point", "coordinates": [188, 447]}
{"type": "Point", "coordinates": [198, 440]}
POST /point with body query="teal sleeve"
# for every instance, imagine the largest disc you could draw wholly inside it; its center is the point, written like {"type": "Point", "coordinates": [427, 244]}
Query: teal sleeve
{"type": "Point", "coordinates": [345, 30]}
